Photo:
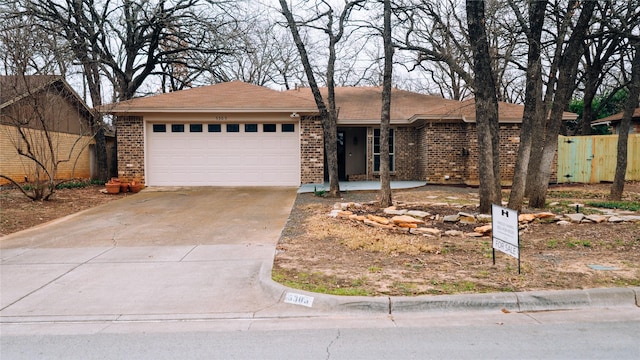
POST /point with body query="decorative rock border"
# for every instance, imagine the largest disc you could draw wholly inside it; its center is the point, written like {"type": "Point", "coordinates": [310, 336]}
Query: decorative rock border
{"type": "Point", "coordinates": [413, 221]}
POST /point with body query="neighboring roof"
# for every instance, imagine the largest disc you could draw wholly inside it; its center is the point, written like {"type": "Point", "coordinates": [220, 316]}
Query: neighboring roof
{"type": "Point", "coordinates": [615, 118]}
{"type": "Point", "coordinates": [362, 105]}
{"type": "Point", "coordinates": [235, 96]}
{"type": "Point", "coordinates": [14, 88]}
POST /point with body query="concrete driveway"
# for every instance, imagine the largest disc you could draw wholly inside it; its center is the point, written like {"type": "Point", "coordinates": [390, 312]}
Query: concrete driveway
{"type": "Point", "coordinates": [160, 254]}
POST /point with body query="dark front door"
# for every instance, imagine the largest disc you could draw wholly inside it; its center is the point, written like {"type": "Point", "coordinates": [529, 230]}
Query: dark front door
{"type": "Point", "coordinates": [342, 173]}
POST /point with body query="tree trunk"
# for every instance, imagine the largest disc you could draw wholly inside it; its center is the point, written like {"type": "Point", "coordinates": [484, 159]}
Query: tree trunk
{"type": "Point", "coordinates": [533, 94]}
{"type": "Point", "coordinates": [385, 116]}
{"type": "Point", "coordinates": [623, 135]}
{"type": "Point", "coordinates": [486, 109]}
{"type": "Point", "coordinates": [329, 124]}
{"type": "Point", "coordinates": [566, 84]}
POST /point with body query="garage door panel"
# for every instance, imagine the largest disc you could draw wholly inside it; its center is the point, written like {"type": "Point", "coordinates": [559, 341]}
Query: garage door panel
{"type": "Point", "coordinates": [222, 159]}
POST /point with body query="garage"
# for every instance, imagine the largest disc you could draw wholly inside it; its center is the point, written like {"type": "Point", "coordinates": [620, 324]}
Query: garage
{"type": "Point", "coordinates": [227, 134]}
{"type": "Point", "coordinates": [222, 154]}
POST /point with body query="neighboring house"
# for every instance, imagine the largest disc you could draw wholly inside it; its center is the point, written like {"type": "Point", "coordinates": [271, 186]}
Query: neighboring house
{"type": "Point", "coordinates": [614, 122]}
{"type": "Point", "coordinates": [238, 134]}
{"type": "Point", "coordinates": [24, 100]}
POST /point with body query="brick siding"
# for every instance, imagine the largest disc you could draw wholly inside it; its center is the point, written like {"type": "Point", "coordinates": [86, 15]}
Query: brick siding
{"type": "Point", "coordinates": [311, 151]}
{"type": "Point", "coordinates": [130, 135]}
{"type": "Point", "coordinates": [451, 149]}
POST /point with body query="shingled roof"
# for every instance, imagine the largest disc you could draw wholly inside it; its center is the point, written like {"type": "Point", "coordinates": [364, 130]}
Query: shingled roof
{"type": "Point", "coordinates": [362, 105]}
{"type": "Point", "coordinates": [235, 96]}
{"type": "Point", "coordinates": [356, 105]}
{"type": "Point", "coordinates": [615, 117]}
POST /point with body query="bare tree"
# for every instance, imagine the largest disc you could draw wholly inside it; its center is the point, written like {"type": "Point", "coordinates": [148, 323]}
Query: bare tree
{"type": "Point", "coordinates": [267, 57]}
{"type": "Point", "coordinates": [533, 109]}
{"type": "Point", "coordinates": [334, 29]}
{"type": "Point", "coordinates": [385, 117]}
{"type": "Point", "coordinates": [564, 87]}
{"type": "Point", "coordinates": [126, 42]}
{"type": "Point", "coordinates": [603, 47]}
{"type": "Point", "coordinates": [617, 187]}
{"type": "Point", "coordinates": [39, 118]}
{"type": "Point", "coordinates": [486, 103]}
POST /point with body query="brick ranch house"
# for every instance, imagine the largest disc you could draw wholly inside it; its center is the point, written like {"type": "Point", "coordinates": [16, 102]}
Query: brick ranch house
{"type": "Point", "coordinates": [24, 101]}
{"type": "Point", "coordinates": [238, 134]}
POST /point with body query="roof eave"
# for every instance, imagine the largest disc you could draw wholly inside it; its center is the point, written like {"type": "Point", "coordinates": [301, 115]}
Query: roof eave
{"type": "Point", "coordinates": [129, 111]}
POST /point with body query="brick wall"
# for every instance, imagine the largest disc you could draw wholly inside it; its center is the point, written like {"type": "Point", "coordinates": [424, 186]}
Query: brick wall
{"type": "Point", "coordinates": [509, 143]}
{"type": "Point", "coordinates": [443, 149]}
{"type": "Point", "coordinates": [406, 154]}
{"type": "Point", "coordinates": [311, 151]}
{"type": "Point", "coordinates": [452, 149]}
{"type": "Point", "coordinates": [17, 167]}
{"type": "Point", "coordinates": [130, 137]}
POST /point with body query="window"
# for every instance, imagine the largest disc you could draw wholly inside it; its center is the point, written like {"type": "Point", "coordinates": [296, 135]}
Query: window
{"type": "Point", "coordinates": [288, 128]}
{"type": "Point", "coordinates": [177, 127]}
{"type": "Point", "coordinates": [376, 150]}
{"type": "Point", "coordinates": [250, 127]}
{"type": "Point", "coordinates": [269, 127]}
{"type": "Point", "coordinates": [214, 128]}
{"type": "Point", "coordinates": [233, 128]}
{"type": "Point", "coordinates": [195, 127]}
{"type": "Point", "coordinates": [159, 127]}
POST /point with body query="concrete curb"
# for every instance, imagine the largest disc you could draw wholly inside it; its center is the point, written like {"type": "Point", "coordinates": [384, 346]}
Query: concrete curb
{"type": "Point", "coordinates": [513, 302]}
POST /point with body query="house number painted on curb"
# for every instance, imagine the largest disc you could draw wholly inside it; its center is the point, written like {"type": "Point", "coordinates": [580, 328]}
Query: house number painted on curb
{"type": "Point", "coordinates": [298, 299]}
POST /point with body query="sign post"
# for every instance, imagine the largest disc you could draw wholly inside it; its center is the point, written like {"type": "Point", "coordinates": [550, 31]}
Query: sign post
{"type": "Point", "coordinates": [504, 230]}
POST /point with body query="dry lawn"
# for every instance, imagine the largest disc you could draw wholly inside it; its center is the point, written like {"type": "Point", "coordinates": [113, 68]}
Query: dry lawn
{"type": "Point", "coordinates": [324, 254]}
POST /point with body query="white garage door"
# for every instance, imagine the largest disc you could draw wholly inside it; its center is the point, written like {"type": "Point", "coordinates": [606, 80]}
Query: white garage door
{"type": "Point", "coordinates": [222, 154]}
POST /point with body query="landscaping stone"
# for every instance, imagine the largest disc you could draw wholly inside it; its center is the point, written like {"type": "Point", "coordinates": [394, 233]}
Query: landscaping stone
{"type": "Point", "coordinates": [596, 218]}
{"type": "Point", "coordinates": [334, 213]}
{"type": "Point", "coordinates": [344, 214]}
{"type": "Point", "coordinates": [575, 218]}
{"type": "Point", "coordinates": [483, 218]}
{"type": "Point", "coordinates": [430, 231]}
{"type": "Point", "coordinates": [555, 203]}
{"type": "Point", "coordinates": [631, 218]}
{"type": "Point", "coordinates": [407, 225]}
{"type": "Point", "coordinates": [378, 219]}
{"type": "Point", "coordinates": [467, 220]}
{"type": "Point", "coordinates": [473, 234]}
{"type": "Point", "coordinates": [405, 219]}
{"type": "Point", "coordinates": [545, 215]}
{"type": "Point", "coordinates": [357, 217]}
{"type": "Point", "coordinates": [377, 224]}
{"type": "Point", "coordinates": [451, 218]}
{"type": "Point", "coordinates": [527, 218]}
{"type": "Point", "coordinates": [453, 233]}
{"type": "Point", "coordinates": [483, 229]}
{"type": "Point", "coordinates": [563, 223]}
{"type": "Point", "coordinates": [615, 219]}
{"type": "Point", "coordinates": [392, 210]}
{"type": "Point", "coordinates": [418, 213]}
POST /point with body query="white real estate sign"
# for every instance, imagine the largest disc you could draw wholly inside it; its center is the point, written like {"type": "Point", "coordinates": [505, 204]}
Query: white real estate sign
{"type": "Point", "coordinates": [504, 227]}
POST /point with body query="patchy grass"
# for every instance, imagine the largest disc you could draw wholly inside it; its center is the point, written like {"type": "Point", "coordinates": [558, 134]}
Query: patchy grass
{"type": "Point", "coordinates": [622, 205]}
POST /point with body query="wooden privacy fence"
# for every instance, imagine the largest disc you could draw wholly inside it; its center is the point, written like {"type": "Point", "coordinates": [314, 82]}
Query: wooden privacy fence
{"type": "Point", "coordinates": [592, 159]}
